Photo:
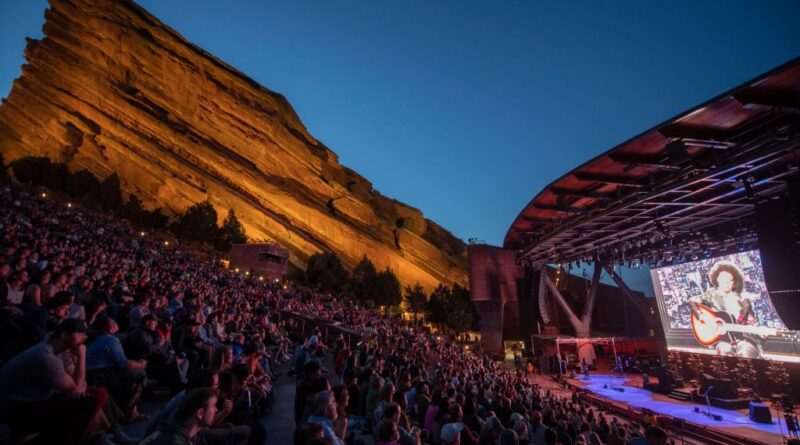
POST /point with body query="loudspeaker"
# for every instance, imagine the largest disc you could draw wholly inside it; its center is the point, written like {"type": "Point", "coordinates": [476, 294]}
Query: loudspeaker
{"type": "Point", "coordinates": [759, 413]}
{"type": "Point", "coordinates": [778, 229]}
{"type": "Point", "coordinates": [723, 388]}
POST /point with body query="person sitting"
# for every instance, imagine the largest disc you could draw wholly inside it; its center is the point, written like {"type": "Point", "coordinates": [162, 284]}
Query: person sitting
{"type": "Point", "coordinates": [108, 367]}
{"type": "Point", "coordinates": [35, 386]}
{"type": "Point", "coordinates": [323, 412]}
{"type": "Point", "coordinates": [27, 329]}
{"type": "Point", "coordinates": [195, 412]}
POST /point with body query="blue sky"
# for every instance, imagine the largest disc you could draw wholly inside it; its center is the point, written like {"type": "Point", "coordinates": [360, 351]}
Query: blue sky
{"type": "Point", "coordinates": [466, 109]}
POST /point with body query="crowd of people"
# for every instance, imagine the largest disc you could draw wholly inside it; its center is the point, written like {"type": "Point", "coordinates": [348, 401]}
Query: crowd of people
{"type": "Point", "coordinates": [94, 316]}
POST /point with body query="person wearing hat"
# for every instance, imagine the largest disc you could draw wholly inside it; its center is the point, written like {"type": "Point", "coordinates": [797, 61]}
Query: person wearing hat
{"type": "Point", "coordinates": [451, 433]}
{"type": "Point", "coordinates": [491, 431]}
{"type": "Point", "coordinates": [27, 329]}
{"type": "Point", "coordinates": [37, 393]}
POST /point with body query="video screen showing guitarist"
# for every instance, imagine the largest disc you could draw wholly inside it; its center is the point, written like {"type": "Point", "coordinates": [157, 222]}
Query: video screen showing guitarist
{"type": "Point", "coordinates": [723, 305]}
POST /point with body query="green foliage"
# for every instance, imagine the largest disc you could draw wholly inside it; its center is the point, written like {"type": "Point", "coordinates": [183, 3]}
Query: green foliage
{"type": "Point", "coordinates": [415, 299]}
{"type": "Point", "coordinates": [232, 232]}
{"type": "Point", "coordinates": [155, 219]}
{"type": "Point", "coordinates": [362, 282]}
{"type": "Point", "coordinates": [460, 314]}
{"type": "Point", "coordinates": [81, 184]}
{"type": "Point", "coordinates": [326, 272]}
{"type": "Point", "coordinates": [389, 291]}
{"type": "Point", "coordinates": [198, 223]}
{"type": "Point", "coordinates": [436, 303]}
{"type": "Point", "coordinates": [133, 210]}
{"type": "Point", "coordinates": [31, 169]}
{"type": "Point", "coordinates": [109, 195]}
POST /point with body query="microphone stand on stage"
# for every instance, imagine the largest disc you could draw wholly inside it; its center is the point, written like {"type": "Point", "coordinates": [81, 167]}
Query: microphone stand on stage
{"type": "Point", "coordinates": [708, 405]}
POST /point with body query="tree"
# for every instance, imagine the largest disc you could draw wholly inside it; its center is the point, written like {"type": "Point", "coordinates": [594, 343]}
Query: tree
{"type": "Point", "coordinates": [31, 169]}
{"type": "Point", "coordinates": [363, 280]}
{"type": "Point", "coordinates": [326, 272]}
{"type": "Point", "coordinates": [232, 232]}
{"type": "Point", "coordinates": [81, 184]}
{"type": "Point", "coordinates": [460, 314]}
{"type": "Point", "coordinates": [415, 299]}
{"type": "Point", "coordinates": [108, 193]}
{"type": "Point", "coordinates": [155, 219]}
{"type": "Point", "coordinates": [55, 177]}
{"type": "Point", "coordinates": [133, 210]}
{"type": "Point", "coordinates": [389, 292]}
{"type": "Point", "coordinates": [436, 304]}
{"type": "Point", "coordinates": [198, 223]}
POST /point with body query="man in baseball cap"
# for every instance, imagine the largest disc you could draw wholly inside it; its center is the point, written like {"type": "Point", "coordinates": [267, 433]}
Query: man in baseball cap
{"type": "Point", "coordinates": [451, 433]}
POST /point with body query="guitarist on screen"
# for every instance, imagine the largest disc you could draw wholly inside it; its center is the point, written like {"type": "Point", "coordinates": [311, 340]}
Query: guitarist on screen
{"type": "Point", "coordinates": [725, 298]}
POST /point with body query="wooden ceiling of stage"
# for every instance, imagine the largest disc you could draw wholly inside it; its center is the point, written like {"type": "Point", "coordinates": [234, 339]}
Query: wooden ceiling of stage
{"type": "Point", "coordinates": [687, 171]}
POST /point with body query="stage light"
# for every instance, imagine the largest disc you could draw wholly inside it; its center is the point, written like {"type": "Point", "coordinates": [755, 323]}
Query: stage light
{"type": "Point", "coordinates": [44, 195]}
{"type": "Point", "coordinates": [69, 205]}
{"type": "Point", "coordinates": [141, 234]}
{"type": "Point", "coordinates": [166, 243]}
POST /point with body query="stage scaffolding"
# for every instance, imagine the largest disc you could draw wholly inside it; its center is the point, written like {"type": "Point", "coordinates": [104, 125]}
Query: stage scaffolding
{"type": "Point", "coordinates": [584, 340]}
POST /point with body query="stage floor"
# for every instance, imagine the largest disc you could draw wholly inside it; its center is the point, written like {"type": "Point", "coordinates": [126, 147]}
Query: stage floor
{"type": "Point", "coordinates": [733, 421]}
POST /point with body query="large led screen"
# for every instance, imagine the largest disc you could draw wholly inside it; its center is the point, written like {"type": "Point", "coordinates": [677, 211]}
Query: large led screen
{"type": "Point", "coordinates": [721, 306]}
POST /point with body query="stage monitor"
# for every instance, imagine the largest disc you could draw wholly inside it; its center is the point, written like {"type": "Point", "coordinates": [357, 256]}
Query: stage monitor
{"type": "Point", "coordinates": [721, 306]}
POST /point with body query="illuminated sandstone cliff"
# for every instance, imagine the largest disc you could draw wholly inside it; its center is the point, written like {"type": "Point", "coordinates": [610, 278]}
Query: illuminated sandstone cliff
{"type": "Point", "coordinates": [112, 89]}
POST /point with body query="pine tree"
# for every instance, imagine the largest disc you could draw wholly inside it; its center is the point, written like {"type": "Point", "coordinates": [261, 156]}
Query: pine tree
{"type": "Point", "coordinates": [415, 299]}
{"type": "Point", "coordinates": [108, 193]}
{"type": "Point", "coordinates": [232, 232]}
{"type": "Point", "coordinates": [198, 223]}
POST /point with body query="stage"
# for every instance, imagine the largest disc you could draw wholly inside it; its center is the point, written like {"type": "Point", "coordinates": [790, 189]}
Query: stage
{"type": "Point", "coordinates": [734, 422]}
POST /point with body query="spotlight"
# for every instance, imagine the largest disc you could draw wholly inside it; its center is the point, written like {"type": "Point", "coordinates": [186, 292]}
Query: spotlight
{"type": "Point", "coordinates": [166, 243]}
{"type": "Point", "coordinates": [44, 195]}
{"type": "Point", "coordinates": [69, 205]}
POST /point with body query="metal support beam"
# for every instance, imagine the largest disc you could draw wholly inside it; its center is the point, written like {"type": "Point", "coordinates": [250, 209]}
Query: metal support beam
{"type": "Point", "coordinates": [627, 292]}
{"type": "Point", "coordinates": [573, 319]}
{"type": "Point", "coordinates": [588, 308]}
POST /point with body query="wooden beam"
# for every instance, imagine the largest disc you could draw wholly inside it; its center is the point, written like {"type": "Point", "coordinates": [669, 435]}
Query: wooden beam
{"type": "Point", "coordinates": [606, 179]}
{"type": "Point", "coordinates": [578, 193]}
{"type": "Point", "coordinates": [755, 98]}
{"type": "Point", "coordinates": [695, 132]}
{"type": "Point", "coordinates": [555, 208]}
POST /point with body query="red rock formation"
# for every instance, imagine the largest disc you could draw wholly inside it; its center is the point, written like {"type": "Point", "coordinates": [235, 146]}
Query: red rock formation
{"type": "Point", "coordinates": [112, 89]}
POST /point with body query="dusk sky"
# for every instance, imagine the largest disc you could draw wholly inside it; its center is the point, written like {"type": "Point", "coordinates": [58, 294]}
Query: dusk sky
{"type": "Point", "coordinates": [467, 109]}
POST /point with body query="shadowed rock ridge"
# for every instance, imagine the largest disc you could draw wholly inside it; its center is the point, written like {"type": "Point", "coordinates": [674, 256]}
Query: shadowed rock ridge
{"type": "Point", "coordinates": [112, 89]}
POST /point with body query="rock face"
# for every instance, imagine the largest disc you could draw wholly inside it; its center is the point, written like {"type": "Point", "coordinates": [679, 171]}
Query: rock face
{"type": "Point", "coordinates": [112, 89]}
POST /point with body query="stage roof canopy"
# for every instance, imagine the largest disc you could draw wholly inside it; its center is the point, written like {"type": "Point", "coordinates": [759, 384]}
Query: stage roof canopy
{"type": "Point", "coordinates": [705, 167]}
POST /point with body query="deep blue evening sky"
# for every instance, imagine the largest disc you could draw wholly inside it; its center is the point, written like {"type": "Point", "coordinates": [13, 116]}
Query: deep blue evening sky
{"type": "Point", "coordinates": [466, 109]}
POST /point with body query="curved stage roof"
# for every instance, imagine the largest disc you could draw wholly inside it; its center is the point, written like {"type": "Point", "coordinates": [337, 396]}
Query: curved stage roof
{"type": "Point", "coordinates": [704, 167]}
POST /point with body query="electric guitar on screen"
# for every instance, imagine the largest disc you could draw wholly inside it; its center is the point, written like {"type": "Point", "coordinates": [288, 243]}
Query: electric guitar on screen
{"type": "Point", "coordinates": [710, 326]}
